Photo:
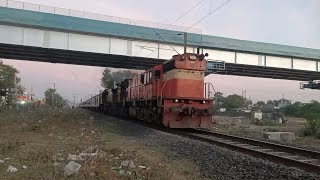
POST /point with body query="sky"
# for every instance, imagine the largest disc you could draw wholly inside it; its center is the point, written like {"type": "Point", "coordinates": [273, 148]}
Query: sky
{"type": "Point", "coordinates": [288, 22]}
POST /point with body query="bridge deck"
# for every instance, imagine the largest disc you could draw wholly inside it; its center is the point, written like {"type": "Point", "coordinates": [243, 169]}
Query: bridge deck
{"type": "Point", "coordinates": [120, 61]}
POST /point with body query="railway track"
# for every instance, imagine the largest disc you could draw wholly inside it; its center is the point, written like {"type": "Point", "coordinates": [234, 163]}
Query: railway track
{"type": "Point", "coordinates": [306, 160]}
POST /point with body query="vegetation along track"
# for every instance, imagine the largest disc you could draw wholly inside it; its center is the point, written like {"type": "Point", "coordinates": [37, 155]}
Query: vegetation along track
{"type": "Point", "coordinates": [307, 160]}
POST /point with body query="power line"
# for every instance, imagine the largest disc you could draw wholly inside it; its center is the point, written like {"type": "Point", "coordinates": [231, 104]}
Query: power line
{"type": "Point", "coordinates": [157, 34]}
{"type": "Point", "coordinates": [165, 41]}
{"type": "Point", "coordinates": [188, 11]}
{"type": "Point", "coordinates": [209, 14]}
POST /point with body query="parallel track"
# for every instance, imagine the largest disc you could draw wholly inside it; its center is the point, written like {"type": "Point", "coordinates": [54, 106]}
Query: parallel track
{"type": "Point", "coordinates": [307, 160]}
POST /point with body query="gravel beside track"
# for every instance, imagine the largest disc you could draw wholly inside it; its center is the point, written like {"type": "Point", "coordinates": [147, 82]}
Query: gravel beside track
{"type": "Point", "coordinates": [213, 162]}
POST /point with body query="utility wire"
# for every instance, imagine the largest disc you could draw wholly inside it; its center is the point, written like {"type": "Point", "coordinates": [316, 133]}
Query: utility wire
{"type": "Point", "coordinates": [165, 41]}
{"type": "Point", "coordinates": [157, 34]}
{"type": "Point", "coordinates": [216, 9]}
{"type": "Point", "coordinates": [188, 11]}
{"type": "Point", "coordinates": [210, 12]}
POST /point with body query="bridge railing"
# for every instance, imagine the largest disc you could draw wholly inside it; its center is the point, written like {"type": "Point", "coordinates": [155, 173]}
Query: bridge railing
{"type": "Point", "coordinates": [93, 16]}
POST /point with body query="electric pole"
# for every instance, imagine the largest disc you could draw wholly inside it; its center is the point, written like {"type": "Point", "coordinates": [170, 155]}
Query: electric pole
{"type": "Point", "coordinates": [52, 94]}
{"type": "Point", "coordinates": [31, 93]}
{"type": "Point", "coordinates": [185, 43]}
{"type": "Point", "coordinates": [74, 100]}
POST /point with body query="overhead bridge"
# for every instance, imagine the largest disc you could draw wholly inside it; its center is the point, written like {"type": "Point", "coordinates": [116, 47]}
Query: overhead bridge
{"type": "Point", "coordinates": [48, 34]}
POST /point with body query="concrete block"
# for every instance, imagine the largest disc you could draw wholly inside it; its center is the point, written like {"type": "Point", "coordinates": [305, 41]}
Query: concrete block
{"type": "Point", "coordinates": [279, 136]}
{"type": "Point", "coordinates": [257, 115]}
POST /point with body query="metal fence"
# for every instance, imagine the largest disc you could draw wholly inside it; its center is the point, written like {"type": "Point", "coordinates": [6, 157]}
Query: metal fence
{"type": "Point", "coordinates": [94, 16]}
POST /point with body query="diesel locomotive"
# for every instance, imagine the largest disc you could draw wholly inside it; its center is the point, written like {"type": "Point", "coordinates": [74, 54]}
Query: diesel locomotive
{"type": "Point", "coordinates": [171, 94]}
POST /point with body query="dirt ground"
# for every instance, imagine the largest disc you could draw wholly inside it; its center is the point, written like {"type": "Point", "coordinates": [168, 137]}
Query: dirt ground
{"type": "Point", "coordinates": [38, 144]}
{"type": "Point", "coordinates": [243, 126]}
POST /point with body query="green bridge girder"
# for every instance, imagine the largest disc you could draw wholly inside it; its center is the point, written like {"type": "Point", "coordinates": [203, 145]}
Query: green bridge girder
{"type": "Point", "coordinates": [24, 18]}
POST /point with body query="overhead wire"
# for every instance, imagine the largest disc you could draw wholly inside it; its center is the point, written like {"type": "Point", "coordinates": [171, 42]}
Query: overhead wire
{"type": "Point", "coordinates": [164, 41]}
{"type": "Point", "coordinates": [216, 9]}
{"type": "Point", "coordinates": [188, 11]}
{"type": "Point", "coordinates": [157, 34]}
{"type": "Point", "coordinates": [210, 12]}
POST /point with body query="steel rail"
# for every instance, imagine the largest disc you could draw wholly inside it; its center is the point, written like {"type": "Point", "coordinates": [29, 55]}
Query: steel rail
{"type": "Point", "coordinates": [260, 149]}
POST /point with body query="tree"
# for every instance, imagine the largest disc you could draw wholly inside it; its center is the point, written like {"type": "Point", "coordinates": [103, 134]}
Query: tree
{"type": "Point", "coordinates": [109, 78]}
{"type": "Point", "coordinates": [299, 109]}
{"type": "Point", "coordinates": [8, 82]}
{"type": "Point", "coordinates": [8, 76]}
{"type": "Point", "coordinates": [233, 102]}
{"type": "Point", "coordinates": [270, 102]}
{"type": "Point", "coordinates": [260, 104]}
{"type": "Point", "coordinates": [53, 98]}
{"type": "Point", "coordinates": [218, 96]}
{"type": "Point", "coordinates": [20, 89]}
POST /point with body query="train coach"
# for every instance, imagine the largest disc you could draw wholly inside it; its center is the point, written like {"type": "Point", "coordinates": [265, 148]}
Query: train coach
{"type": "Point", "coordinates": [171, 94]}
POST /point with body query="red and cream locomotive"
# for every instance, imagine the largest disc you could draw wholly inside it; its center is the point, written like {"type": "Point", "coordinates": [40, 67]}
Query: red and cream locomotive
{"type": "Point", "coordinates": [170, 94]}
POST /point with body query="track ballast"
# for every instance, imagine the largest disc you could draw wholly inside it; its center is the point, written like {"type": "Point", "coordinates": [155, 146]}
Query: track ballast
{"type": "Point", "coordinates": [304, 159]}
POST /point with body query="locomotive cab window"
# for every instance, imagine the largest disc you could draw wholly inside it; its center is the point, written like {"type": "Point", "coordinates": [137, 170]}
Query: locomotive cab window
{"type": "Point", "coordinates": [148, 77]}
{"type": "Point", "coordinates": [157, 74]}
{"type": "Point", "coordinates": [142, 79]}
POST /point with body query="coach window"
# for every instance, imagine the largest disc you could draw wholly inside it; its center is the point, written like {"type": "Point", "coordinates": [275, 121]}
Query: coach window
{"type": "Point", "coordinates": [150, 76]}
{"type": "Point", "coordinates": [146, 78]}
{"type": "Point", "coordinates": [142, 78]}
{"type": "Point", "coordinates": [147, 75]}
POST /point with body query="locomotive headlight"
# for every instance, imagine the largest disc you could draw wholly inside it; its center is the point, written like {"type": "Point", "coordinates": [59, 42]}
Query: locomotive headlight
{"type": "Point", "coordinates": [203, 102]}
{"type": "Point", "coordinates": [193, 57]}
{"type": "Point", "coordinates": [176, 100]}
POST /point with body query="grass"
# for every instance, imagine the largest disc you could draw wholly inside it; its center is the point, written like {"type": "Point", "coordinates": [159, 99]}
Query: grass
{"type": "Point", "coordinates": [312, 127]}
{"type": "Point", "coordinates": [43, 139]}
{"type": "Point", "coordinates": [265, 122]}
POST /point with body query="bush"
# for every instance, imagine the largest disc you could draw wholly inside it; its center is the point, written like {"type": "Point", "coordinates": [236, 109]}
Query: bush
{"type": "Point", "coordinates": [300, 110]}
{"type": "Point", "coordinates": [313, 124]}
